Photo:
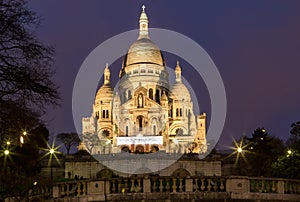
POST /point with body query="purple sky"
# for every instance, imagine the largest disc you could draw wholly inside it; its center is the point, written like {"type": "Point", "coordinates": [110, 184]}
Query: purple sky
{"type": "Point", "coordinates": [254, 44]}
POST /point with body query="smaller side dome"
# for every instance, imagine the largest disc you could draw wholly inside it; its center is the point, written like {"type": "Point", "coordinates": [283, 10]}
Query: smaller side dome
{"type": "Point", "coordinates": [179, 90]}
{"type": "Point", "coordinates": [105, 92]}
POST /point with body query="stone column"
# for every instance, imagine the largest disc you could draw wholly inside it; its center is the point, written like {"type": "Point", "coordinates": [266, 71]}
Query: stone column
{"type": "Point", "coordinates": [280, 187]}
{"type": "Point", "coordinates": [146, 185]}
{"type": "Point", "coordinates": [188, 185]}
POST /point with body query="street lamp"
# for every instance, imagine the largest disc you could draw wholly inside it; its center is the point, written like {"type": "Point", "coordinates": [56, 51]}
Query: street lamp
{"type": "Point", "coordinates": [239, 149]}
{"type": "Point", "coordinates": [51, 152]}
{"type": "Point", "coordinates": [6, 152]}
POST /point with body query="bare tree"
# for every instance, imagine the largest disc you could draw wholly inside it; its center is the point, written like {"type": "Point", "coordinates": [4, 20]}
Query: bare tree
{"type": "Point", "coordinates": [69, 140]}
{"type": "Point", "coordinates": [25, 66]}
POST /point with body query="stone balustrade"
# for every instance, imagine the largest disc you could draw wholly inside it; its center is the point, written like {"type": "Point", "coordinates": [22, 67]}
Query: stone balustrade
{"type": "Point", "coordinates": [173, 189]}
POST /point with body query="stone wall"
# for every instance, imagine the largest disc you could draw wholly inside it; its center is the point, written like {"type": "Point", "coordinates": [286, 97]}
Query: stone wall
{"type": "Point", "coordinates": [89, 168]}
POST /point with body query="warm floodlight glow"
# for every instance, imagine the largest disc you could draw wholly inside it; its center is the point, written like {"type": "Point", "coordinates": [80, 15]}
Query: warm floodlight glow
{"type": "Point", "coordinates": [51, 151]}
{"type": "Point", "coordinates": [24, 133]}
{"type": "Point", "coordinates": [6, 152]}
{"type": "Point", "coordinates": [289, 151]}
{"type": "Point", "coordinates": [22, 140]}
{"type": "Point", "coordinates": [8, 142]}
{"type": "Point", "coordinates": [239, 150]}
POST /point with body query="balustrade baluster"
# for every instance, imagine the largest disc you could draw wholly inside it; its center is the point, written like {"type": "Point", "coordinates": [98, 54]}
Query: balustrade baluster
{"type": "Point", "coordinates": [215, 185]}
{"type": "Point", "coordinates": [208, 185]}
{"type": "Point", "coordinates": [168, 185]}
{"type": "Point", "coordinates": [180, 185]}
{"type": "Point", "coordinates": [222, 181]}
{"type": "Point", "coordinates": [126, 187]}
{"type": "Point", "coordinates": [257, 186]}
{"type": "Point", "coordinates": [113, 188]}
{"type": "Point", "coordinates": [67, 189]}
{"type": "Point", "coordinates": [139, 185]}
{"type": "Point", "coordinates": [78, 189]}
{"type": "Point", "coordinates": [161, 186]}
{"type": "Point", "coordinates": [263, 186]}
{"type": "Point", "coordinates": [84, 186]}
{"type": "Point", "coordinates": [132, 188]}
{"type": "Point", "coordinates": [274, 188]}
{"type": "Point", "coordinates": [174, 185]}
{"type": "Point", "coordinates": [195, 188]}
{"type": "Point", "coordinates": [154, 185]}
{"type": "Point", "coordinates": [119, 185]}
{"type": "Point", "coordinates": [202, 184]}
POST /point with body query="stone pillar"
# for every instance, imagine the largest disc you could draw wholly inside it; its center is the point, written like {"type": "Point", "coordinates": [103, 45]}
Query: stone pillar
{"type": "Point", "coordinates": [280, 187]}
{"type": "Point", "coordinates": [238, 185]}
{"type": "Point", "coordinates": [96, 191]}
{"type": "Point", "coordinates": [55, 191]}
{"type": "Point", "coordinates": [107, 187]}
{"type": "Point", "coordinates": [188, 185]}
{"type": "Point", "coordinates": [146, 185]}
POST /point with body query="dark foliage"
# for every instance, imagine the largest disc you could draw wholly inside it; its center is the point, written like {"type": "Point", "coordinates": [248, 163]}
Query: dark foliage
{"type": "Point", "coordinates": [25, 74]}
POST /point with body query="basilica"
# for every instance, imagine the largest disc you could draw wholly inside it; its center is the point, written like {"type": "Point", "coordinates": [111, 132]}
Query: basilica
{"type": "Point", "coordinates": [143, 113]}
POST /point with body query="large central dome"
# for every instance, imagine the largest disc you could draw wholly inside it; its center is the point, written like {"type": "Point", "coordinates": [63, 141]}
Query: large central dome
{"type": "Point", "coordinates": [143, 51]}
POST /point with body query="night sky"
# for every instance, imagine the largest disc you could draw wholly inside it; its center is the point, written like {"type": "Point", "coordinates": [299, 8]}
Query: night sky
{"type": "Point", "coordinates": [254, 44]}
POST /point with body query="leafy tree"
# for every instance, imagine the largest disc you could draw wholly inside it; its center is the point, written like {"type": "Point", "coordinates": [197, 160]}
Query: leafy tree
{"type": "Point", "coordinates": [263, 150]}
{"type": "Point", "coordinates": [25, 74]}
{"type": "Point", "coordinates": [287, 165]}
{"type": "Point", "coordinates": [69, 140]}
{"type": "Point", "coordinates": [295, 129]}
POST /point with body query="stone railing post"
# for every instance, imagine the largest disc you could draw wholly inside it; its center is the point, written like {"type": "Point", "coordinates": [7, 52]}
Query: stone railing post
{"type": "Point", "coordinates": [55, 191]}
{"type": "Point", "coordinates": [280, 187]}
{"type": "Point", "coordinates": [107, 187]}
{"type": "Point", "coordinates": [188, 185]}
{"type": "Point", "coordinates": [96, 190]}
{"type": "Point", "coordinates": [146, 185]}
{"type": "Point", "coordinates": [238, 187]}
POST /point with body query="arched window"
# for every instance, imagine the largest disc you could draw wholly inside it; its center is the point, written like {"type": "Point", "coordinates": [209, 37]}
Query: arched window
{"type": "Point", "coordinates": [126, 131]}
{"type": "Point", "coordinates": [140, 122]}
{"type": "Point", "coordinates": [180, 114]}
{"type": "Point", "coordinates": [177, 112]}
{"type": "Point", "coordinates": [106, 114]}
{"type": "Point", "coordinates": [157, 96]}
{"type": "Point", "coordinates": [103, 113]}
{"type": "Point", "coordinates": [154, 130]}
{"type": "Point", "coordinates": [151, 93]}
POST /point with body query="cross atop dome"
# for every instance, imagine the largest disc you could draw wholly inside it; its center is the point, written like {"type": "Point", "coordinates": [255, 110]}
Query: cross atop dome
{"type": "Point", "coordinates": [143, 24]}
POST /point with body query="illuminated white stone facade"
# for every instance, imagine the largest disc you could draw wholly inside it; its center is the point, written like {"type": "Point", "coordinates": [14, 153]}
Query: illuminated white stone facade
{"type": "Point", "coordinates": [143, 114]}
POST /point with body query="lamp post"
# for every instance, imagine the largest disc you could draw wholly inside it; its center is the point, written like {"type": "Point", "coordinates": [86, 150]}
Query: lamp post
{"type": "Point", "coordinates": [51, 152]}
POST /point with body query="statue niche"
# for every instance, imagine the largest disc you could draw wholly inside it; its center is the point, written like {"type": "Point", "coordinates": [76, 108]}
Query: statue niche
{"type": "Point", "coordinates": [140, 101]}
